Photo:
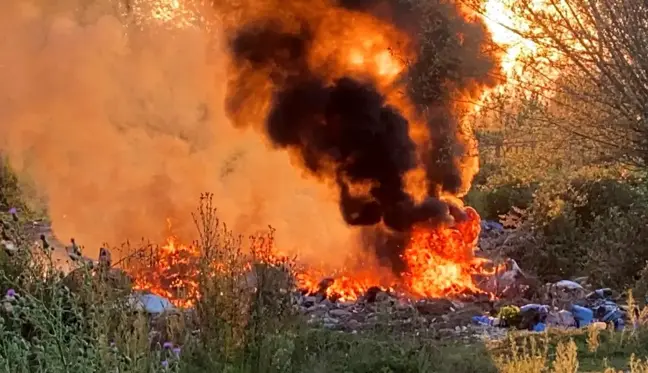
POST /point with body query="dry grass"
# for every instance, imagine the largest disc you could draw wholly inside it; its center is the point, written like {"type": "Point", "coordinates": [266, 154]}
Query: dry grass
{"type": "Point", "coordinates": [236, 329]}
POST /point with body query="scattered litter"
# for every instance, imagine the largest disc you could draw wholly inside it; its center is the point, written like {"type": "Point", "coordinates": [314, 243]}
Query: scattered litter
{"type": "Point", "coordinates": [150, 303]}
{"type": "Point", "coordinates": [609, 312]}
{"type": "Point", "coordinates": [539, 327]}
{"type": "Point", "coordinates": [488, 226]}
{"type": "Point", "coordinates": [486, 321]}
{"type": "Point", "coordinates": [583, 315]}
{"type": "Point", "coordinates": [600, 294]}
{"type": "Point", "coordinates": [561, 319]}
{"type": "Point", "coordinates": [569, 285]}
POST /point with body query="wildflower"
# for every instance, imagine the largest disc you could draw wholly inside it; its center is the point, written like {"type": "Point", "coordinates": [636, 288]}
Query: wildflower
{"type": "Point", "coordinates": [176, 352]}
{"type": "Point", "coordinates": [165, 363]}
{"type": "Point", "coordinates": [167, 345]}
{"type": "Point", "coordinates": [11, 293]}
{"type": "Point", "coordinates": [14, 213]}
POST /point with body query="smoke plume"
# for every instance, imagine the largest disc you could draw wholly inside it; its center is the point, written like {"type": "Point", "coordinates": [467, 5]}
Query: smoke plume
{"type": "Point", "coordinates": [118, 120]}
{"type": "Point", "coordinates": [349, 126]}
{"type": "Point", "coordinates": [121, 112]}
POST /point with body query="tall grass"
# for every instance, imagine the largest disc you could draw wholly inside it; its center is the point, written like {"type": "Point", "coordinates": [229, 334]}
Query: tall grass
{"type": "Point", "coordinates": [244, 320]}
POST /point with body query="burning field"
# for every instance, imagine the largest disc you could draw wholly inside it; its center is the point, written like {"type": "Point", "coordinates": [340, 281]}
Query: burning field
{"type": "Point", "coordinates": [368, 98]}
{"type": "Point", "coordinates": [363, 105]}
{"type": "Point", "coordinates": [440, 263]}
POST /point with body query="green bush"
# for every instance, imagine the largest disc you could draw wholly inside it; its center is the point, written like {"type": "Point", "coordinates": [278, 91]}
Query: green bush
{"type": "Point", "coordinates": [492, 202]}
{"type": "Point", "coordinates": [592, 228]}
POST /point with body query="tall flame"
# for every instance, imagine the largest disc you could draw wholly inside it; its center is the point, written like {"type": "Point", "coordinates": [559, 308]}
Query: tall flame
{"type": "Point", "coordinates": [441, 263]}
{"type": "Point", "coordinates": [440, 260]}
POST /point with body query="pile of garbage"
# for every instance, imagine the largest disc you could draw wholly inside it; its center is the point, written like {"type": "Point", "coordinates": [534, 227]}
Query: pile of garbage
{"type": "Point", "coordinates": [569, 305]}
{"type": "Point", "coordinates": [521, 302]}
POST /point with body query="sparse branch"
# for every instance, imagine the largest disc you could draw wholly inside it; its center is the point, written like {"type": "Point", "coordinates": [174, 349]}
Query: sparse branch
{"type": "Point", "coordinates": [590, 67]}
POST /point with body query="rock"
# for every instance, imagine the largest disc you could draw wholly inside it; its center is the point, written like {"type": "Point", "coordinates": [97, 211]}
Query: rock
{"type": "Point", "coordinates": [327, 325]}
{"type": "Point", "coordinates": [340, 313]}
{"type": "Point", "coordinates": [371, 294]}
{"type": "Point", "coordinates": [353, 324]}
{"type": "Point", "coordinates": [317, 309]}
{"type": "Point", "coordinates": [150, 303]}
{"type": "Point", "coordinates": [115, 279]}
{"type": "Point", "coordinates": [330, 323]}
{"type": "Point", "coordinates": [7, 307]}
{"type": "Point", "coordinates": [434, 307]}
{"type": "Point", "coordinates": [404, 305]}
{"type": "Point", "coordinates": [308, 301]}
{"type": "Point", "coordinates": [383, 297]}
{"type": "Point", "coordinates": [324, 284]}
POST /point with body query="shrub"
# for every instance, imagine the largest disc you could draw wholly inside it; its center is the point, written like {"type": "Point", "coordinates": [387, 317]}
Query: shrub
{"type": "Point", "coordinates": [592, 228]}
{"type": "Point", "coordinates": [492, 202]}
{"type": "Point", "coordinates": [9, 186]}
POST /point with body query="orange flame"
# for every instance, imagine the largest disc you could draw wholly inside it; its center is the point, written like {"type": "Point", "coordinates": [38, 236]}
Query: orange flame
{"type": "Point", "coordinates": [441, 262]}
{"type": "Point", "coordinates": [172, 272]}
{"type": "Point", "coordinates": [345, 285]}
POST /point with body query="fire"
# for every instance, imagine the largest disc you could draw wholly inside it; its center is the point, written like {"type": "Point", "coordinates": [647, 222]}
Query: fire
{"type": "Point", "coordinates": [170, 271]}
{"type": "Point", "coordinates": [346, 284]}
{"type": "Point", "coordinates": [441, 261]}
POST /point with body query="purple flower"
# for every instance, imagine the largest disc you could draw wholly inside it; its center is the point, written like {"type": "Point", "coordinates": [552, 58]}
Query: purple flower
{"type": "Point", "coordinates": [176, 352]}
{"type": "Point", "coordinates": [11, 293]}
{"type": "Point", "coordinates": [167, 345]}
{"type": "Point", "coordinates": [165, 363]}
{"type": "Point", "coordinates": [13, 211]}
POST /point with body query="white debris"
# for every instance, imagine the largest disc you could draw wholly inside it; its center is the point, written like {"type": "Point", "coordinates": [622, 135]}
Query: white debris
{"type": "Point", "coordinates": [569, 285]}
{"type": "Point", "coordinates": [9, 246]}
{"type": "Point", "coordinates": [150, 303]}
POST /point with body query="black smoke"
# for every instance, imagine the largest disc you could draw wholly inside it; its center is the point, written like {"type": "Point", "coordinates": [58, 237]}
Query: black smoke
{"type": "Point", "coordinates": [346, 131]}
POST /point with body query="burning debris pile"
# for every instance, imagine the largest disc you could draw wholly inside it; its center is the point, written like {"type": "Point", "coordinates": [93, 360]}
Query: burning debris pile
{"type": "Point", "coordinates": [367, 96]}
{"type": "Point", "coordinates": [364, 96]}
{"type": "Point", "coordinates": [441, 263]}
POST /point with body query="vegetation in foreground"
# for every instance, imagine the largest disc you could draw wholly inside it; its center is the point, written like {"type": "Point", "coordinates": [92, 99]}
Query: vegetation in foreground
{"type": "Point", "coordinates": [566, 174]}
{"type": "Point", "coordinates": [86, 323]}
